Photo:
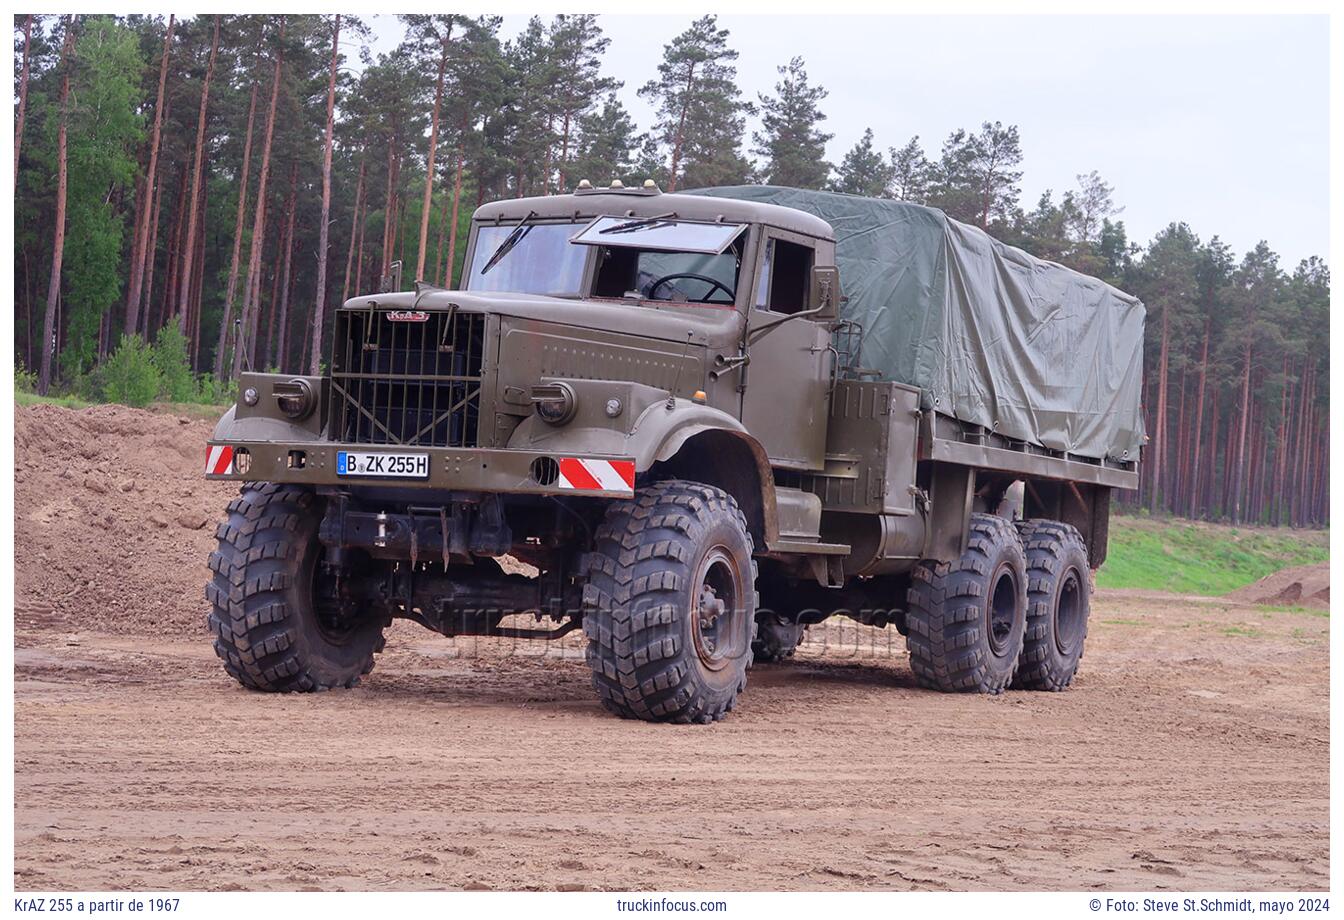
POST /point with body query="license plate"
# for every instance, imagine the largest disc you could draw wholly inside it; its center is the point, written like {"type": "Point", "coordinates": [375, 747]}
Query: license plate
{"type": "Point", "coordinates": [404, 466]}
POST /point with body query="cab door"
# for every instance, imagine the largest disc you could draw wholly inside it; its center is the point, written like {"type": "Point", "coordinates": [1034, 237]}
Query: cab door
{"type": "Point", "coordinates": [787, 377]}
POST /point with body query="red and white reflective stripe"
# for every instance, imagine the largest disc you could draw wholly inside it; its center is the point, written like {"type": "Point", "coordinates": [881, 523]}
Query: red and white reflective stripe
{"type": "Point", "coordinates": [218, 460]}
{"type": "Point", "coordinates": [597, 475]}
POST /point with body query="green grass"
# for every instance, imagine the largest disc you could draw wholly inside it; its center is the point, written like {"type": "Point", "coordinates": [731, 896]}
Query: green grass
{"type": "Point", "coordinates": [191, 410]}
{"type": "Point", "coordinates": [1189, 557]}
{"type": "Point", "coordinates": [32, 399]}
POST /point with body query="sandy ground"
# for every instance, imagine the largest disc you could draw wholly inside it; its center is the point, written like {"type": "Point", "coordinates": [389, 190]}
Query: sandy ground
{"type": "Point", "coordinates": [1191, 753]}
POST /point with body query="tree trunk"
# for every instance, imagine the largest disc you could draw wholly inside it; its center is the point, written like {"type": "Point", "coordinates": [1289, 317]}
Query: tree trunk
{"type": "Point", "coordinates": [58, 241]}
{"type": "Point", "coordinates": [232, 288]}
{"type": "Point", "coordinates": [681, 127]}
{"type": "Point", "coordinates": [270, 305]}
{"type": "Point", "coordinates": [151, 251]}
{"type": "Point", "coordinates": [1210, 477]}
{"type": "Point", "coordinates": [546, 157]}
{"type": "Point", "coordinates": [200, 283]}
{"type": "Point", "coordinates": [354, 230]}
{"type": "Point", "coordinates": [429, 161]}
{"type": "Point", "coordinates": [388, 208]}
{"type": "Point", "coordinates": [284, 276]}
{"type": "Point", "coordinates": [1160, 455]}
{"type": "Point", "coordinates": [1280, 451]}
{"type": "Point", "coordinates": [198, 158]}
{"type": "Point", "coordinates": [1178, 468]}
{"type": "Point", "coordinates": [1240, 469]}
{"type": "Point", "coordinates": [1297, 511]}
{"type": "Point", "coordinates": [142, 232]}
{"type": "Point", "coordinates": [1199, 418]}
{"type": "Point", "coordinates": [451, 265]}
{"type": "Point", "coordinates": [28, 310]}
{"type": "Point", "coordinates": [247, 341]}
{"type": "Point", "coordinates": [23, 95]}
{"type": "Point", "coordinates": [438, 250]}
{"type": "Point", "coordinates": [564, 154]}
{"type": "Point", "coordinates": [359, 254]}
{"type": "Point", "coordinates": [324, 226]}
{"type": "Point", "coordinates": [1229, 458]}
{"type": "Point", "coordinates": [176, 260]}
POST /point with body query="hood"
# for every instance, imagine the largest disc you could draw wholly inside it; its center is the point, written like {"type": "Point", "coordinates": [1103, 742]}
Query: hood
{"type": "Point", "coordinates": [714, 326]}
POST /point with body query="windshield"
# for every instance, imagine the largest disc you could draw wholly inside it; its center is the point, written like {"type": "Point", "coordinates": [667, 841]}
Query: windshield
{"type": "Point", "coordinates": [663, 232]}
{"type": "Point", "coordinates": [541, 260]}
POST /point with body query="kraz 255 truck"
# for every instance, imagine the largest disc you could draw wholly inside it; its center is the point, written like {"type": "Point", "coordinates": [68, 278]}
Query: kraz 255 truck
{"type": "Point", "coordinates": [707, 421]}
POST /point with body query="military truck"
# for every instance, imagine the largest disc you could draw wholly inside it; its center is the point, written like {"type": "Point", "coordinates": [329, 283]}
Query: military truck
{"type": "Point", "coordinates": [690, 425]}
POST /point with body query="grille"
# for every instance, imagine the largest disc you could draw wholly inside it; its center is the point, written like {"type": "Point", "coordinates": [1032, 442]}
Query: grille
{"type": "Point", "coordinates": [410, 383]}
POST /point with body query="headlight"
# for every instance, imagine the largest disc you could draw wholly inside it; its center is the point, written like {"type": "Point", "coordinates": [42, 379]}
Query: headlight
{"type": "Point", "coordinates": [295, 398]}
{"type": "Point", "coordinates": [555, 402]}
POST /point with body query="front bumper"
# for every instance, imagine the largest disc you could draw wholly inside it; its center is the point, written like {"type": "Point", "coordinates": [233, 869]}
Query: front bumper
{"type": "Point", "coordinates": [459, 469]}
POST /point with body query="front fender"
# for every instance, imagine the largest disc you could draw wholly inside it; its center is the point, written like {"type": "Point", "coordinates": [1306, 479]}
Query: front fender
{"type": "Point", "coordinates": [259, 428]}
{"type": "Point", "coordinates": [658, 433]}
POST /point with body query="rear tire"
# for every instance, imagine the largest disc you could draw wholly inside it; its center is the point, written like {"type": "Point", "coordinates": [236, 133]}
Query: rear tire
{"type": "Point", "coordinates": [966, 619]}
{"type": "Point", "coordinates": [272, 613]}
{"type": "Point", "coordinates": [670, 604]}
{"type": "Point", "coordinates": [1058, 604]}
{"type": "Point", "coordinates": [777, 638]}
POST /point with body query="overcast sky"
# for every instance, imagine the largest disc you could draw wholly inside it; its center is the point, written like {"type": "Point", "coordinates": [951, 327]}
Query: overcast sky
{"type": "Point", "coordinates": [1218, 121]}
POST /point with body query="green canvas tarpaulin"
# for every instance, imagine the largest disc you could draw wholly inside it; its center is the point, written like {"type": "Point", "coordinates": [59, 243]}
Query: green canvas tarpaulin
{"type": "Point", "coordinates": [993, 336]}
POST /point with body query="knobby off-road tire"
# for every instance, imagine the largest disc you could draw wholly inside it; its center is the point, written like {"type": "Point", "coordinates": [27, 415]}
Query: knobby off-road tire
{"type": "Point", "coordinates": [669, 604]}
{"type": "Point", "coordinates": [1058, 604]}
{"type": "Point", "coordinates": [967, 618]}
{"type": "Point", "coordinates": [777, 631]}
{"type": "Point", "coordinates": [777, 637]}
{"type": "Point", "coordinates": [266, 616]}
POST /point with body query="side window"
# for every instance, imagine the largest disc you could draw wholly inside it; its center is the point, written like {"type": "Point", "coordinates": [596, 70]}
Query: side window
{"type": "Point", "coordinates": [763, 282]}
{"type": "Point", "coordinates": [785, 276]}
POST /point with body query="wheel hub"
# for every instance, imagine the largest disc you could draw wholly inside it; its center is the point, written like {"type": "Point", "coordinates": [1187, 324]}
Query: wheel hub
{"type": "Point", "coordinates": [1069, 612]}
{"type": "Point", "coordinates": [716, 619]}
{"type": "Point", "coordinates": [1001, 609]}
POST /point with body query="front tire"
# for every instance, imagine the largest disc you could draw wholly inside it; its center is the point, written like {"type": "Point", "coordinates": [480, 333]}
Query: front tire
{"type": "Point", "coordinates": [1059, 601]}
{"type": "Point", "coordinates": [966, 619]}
{"type": "Point", "coordinates": [278, 624]}
{"type": "Point", "coordinates": [670, 604]}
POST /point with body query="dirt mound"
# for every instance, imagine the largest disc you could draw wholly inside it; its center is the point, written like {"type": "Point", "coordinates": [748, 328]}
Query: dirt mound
{"type": "Point", "coordinates": [112, 519]}
{"type": "Point", "coordinates": [1300, 586]}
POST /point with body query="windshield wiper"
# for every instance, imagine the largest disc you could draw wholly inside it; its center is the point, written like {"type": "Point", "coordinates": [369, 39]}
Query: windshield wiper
{"type": "Point", "coordinates": [632, 225]}
{"type": "Point", "coordinates": [510, 241]}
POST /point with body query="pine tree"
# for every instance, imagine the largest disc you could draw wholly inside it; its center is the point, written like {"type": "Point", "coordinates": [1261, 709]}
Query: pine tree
{"type": "Point", "coordinates": [65, 65]}
{"type": "Point", "coordinates": [196, 175]}
{"type": "Point", "coordinates": [246, 342]}
{"type": "Point", "coordinates": [1094, 206]}
{"type": "Point", "coordinates": [577, 46]}
{"type": "Point", "coordinates": [324, 226]}
{"type": "Point", "coordinates": [140, 253]}
{"type": "Point", "coordinates": [700, 113]}
{"type": "Point", "coordinates": [998, 153]}
{"type": "Point", "coordinates": [863, 171]}
{"type": "Point", "coordinates": [975, 178]}
{"type": "Point", "coordinates": [910, 172]}
{"type": "Point", "coordinates": [793, 148]}
{"type": "Point", "coordinates": [1167, 283]}
{"type": "Point", "coordinates": [606, 144]}
{"type": "Point", "coordinates": [431, 40]}
{"type": "Point", "coordinates": [21, 113]}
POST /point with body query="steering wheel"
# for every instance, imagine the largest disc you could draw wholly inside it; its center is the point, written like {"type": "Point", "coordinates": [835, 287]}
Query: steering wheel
{"type": "Point", "coordinates": [713, 283]}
